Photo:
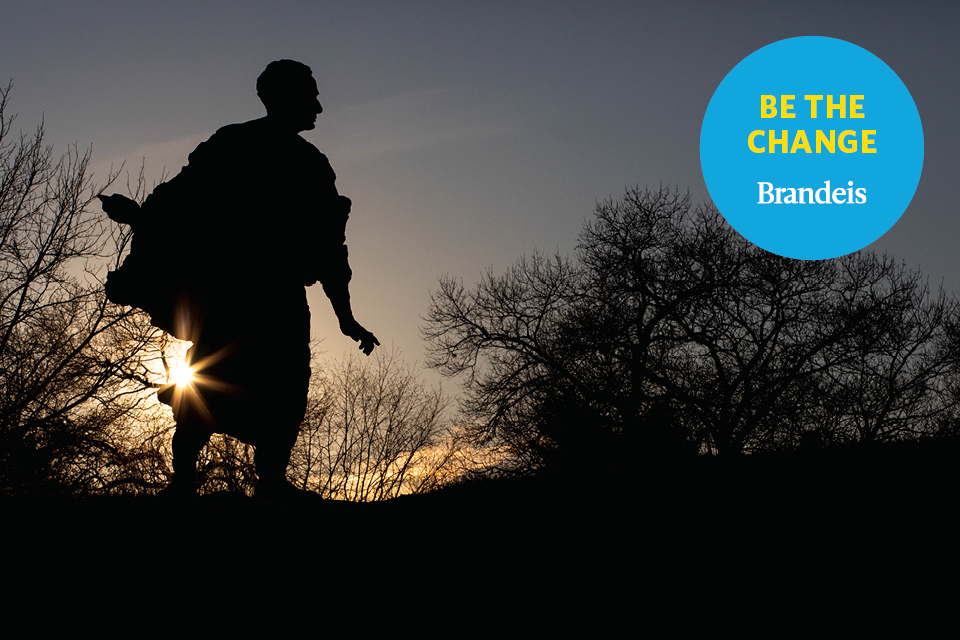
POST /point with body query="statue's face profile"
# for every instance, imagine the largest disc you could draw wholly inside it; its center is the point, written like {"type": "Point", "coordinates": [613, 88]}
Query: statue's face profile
{"type": "Point", "coordinates": [298, 106]}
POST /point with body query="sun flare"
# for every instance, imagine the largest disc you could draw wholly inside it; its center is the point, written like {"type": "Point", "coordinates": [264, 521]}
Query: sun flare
{"type": "Point", "coordinates": [181, 374]}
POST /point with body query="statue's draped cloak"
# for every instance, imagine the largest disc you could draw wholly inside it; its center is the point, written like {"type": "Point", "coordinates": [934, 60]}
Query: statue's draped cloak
{"type": "Point", "coordinates": [252, 218]}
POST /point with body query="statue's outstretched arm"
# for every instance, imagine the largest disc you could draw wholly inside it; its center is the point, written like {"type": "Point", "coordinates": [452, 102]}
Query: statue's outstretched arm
{"type": "Point", "coordinates": [335, 276]}
{"type": "Point", "coordinates": [337, 289]}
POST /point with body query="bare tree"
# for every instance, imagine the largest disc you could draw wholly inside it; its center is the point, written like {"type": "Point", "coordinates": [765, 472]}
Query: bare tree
{"type": "Point", "coordinates": [504, 337]}
{"type": "Point", "coordinates": [672, 333]}
{"type": "Point", "coordinates": [69, 361]}
{"type": "Point", "coordinates": [373, 431]}
{"type": "Point", "coordinates": [559, 356]}
{"type": "Point", "coordinates": [892, 378]}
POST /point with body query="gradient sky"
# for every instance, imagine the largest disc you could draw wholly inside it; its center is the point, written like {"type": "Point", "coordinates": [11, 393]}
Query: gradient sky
{"type": "Point", "coordinates": [467, 134]}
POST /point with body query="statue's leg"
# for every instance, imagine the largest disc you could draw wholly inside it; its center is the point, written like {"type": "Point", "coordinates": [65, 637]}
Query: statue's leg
{"type": "Point", "coordinates": [271, 467]}
{"type": "Point", "coordinates": [272, 457]}
{"type": "Point", "coordinates": [284, 394]}
{"type": "Point", "coordinates": [188, 440]}
{"type": "Point", "coordinates": [286, 411]}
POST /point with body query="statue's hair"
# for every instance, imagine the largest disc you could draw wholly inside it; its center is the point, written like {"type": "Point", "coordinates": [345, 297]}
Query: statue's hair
{"type": "Point", "coordinates": [278, 76]}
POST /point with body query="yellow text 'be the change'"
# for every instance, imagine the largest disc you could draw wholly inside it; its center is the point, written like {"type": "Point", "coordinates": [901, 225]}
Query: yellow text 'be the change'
{"type": "Point", "coordinates": [848, 140]}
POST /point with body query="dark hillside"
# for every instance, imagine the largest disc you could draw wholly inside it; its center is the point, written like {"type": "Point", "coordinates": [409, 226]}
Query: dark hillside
{"type": "Point", "coordinates": [882, 501]}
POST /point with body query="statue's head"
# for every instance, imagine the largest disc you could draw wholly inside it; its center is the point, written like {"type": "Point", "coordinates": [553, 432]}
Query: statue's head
{"type": "Point", "coordinates": [289, 92]}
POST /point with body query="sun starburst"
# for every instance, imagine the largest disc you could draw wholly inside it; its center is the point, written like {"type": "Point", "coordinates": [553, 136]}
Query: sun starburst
{"type": "Point", "coordinates": [182, 374]}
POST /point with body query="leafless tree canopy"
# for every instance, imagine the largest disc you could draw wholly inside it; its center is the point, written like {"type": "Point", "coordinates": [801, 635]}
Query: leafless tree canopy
{"type": "Point", "coordinates": [373, 431]}
{"type": "Point", "coordinates": [669, 332]}
{"type": "Point", "coordinates": [68, 360]}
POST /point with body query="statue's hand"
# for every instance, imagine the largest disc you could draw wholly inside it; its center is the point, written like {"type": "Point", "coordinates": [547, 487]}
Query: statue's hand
{"type": "Point", "coordinates": [120, 208]}
{"type": "Point", "coordinates": [351, 328]}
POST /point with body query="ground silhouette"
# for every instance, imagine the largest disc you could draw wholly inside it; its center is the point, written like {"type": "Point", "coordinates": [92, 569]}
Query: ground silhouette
{"type": "Point", "coordinates": [773, 513]}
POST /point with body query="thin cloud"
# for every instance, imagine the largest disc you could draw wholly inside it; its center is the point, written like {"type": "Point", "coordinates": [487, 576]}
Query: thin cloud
{"type": "Point", "coordinates": [415, 121]}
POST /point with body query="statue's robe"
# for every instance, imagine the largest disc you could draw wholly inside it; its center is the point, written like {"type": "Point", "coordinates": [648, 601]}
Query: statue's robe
{"type": "Point", "coordinates": [253, 218]}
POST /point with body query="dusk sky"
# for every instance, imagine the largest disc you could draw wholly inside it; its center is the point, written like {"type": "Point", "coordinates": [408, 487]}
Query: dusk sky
{"type": "Point", "coordinates": [466, 134]}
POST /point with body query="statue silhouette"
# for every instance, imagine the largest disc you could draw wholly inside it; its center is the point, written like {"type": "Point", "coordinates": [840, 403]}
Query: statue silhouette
{"type": "Point", "coordinates": [220, 256]}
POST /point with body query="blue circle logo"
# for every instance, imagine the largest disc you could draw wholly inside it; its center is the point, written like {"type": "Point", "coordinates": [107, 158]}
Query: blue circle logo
{"type": "Point", "coordinates": [811, 148]}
